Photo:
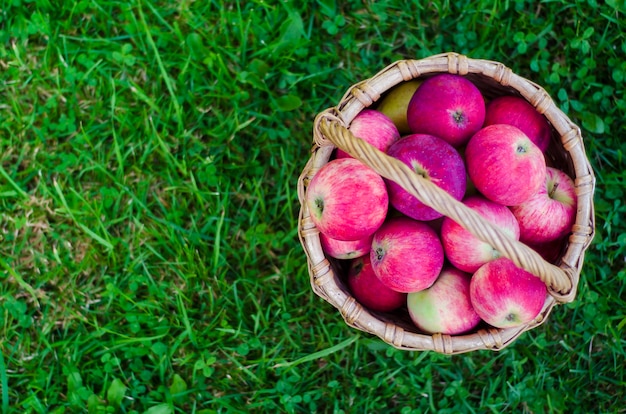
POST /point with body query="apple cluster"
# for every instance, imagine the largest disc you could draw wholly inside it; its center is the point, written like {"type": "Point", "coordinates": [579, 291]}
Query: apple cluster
{"type": "Point", "coordinates": [402, 255]}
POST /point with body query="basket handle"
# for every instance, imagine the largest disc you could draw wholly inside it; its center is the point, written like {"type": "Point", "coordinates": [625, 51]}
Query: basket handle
{"type": "Point", "coordinates": [556, 279]}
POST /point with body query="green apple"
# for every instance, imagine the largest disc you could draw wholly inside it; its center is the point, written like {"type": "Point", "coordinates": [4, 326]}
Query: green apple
{"type": "Point", "coordinates": [395, 103]}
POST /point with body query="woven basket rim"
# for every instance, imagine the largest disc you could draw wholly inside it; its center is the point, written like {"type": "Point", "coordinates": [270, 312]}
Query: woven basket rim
{"type": "Point", "coordinates": [324, 278]}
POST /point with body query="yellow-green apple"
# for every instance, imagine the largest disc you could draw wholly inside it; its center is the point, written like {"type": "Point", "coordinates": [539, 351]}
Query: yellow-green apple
{"type": "Point", "coordinates": [434, 159]}
{"type": "Point", "coordinates": [464, 250]}
{"type": "Point", "coordinates": [517, 111]}
{"type": "Point", "coordinates": [347, 200]}
{"type": "Point", "coordinates": [445, 307]}
{"type": "Point", "coordinates": [373, 127]}
{"type": "Point", "coordinates": [448, 106]}
{"type": "Point", "coordinates": [505, 295]}
{"type": "Point", "coordinates": [395, 104]}
{"type": "Point", "coordinates": [406, 254]}
{"type": "Point", "coordinates": [504, 164]}
{"type": "Point", "coordinates": [550, 213]}
{"type": "Point", "coordinates": [368, 290]}
{"type": "Point", "coordinates": [346, 249]}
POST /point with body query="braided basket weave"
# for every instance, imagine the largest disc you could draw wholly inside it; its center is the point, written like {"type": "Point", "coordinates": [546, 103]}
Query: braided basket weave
{"type": "Point", "coordinates": [566, 152]}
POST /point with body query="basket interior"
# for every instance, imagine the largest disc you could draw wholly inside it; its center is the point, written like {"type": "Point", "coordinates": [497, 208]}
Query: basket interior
{"type": "Point", "coordinates": [556, 156]}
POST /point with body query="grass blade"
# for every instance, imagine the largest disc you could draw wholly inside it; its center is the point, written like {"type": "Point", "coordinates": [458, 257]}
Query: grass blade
{"type": "Point", "coordinates": [7, 177]}
{"type": "Point", "coordinates": [5, 384]}
{"type": "Point", "coordinates": [319, 354]}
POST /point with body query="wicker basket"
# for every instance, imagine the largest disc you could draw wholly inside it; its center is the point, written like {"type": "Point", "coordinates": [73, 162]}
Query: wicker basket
{"type": "Point", "coordinates": [566, 152]}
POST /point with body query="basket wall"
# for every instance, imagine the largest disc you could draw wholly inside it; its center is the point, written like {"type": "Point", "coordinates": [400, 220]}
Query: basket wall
{"type": "Point", "coordinates": [566, 152]}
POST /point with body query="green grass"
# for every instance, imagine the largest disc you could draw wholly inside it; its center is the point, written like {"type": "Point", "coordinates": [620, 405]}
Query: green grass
{"type": "Point", "coordinates": [148, 246]}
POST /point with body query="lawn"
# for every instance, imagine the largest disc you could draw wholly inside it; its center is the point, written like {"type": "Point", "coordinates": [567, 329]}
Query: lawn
{"type": "Point", "coordinates": [149, 255]}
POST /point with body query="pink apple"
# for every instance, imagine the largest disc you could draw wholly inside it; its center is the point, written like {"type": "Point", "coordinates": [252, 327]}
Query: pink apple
{"type": "Point", "coordinates": [347, 200]}
{"type": "Point", "coordinates": [369, 291]}
{"type": "Point", "coordinates": [346, 249]}
{"type": "Point", "coordinates": [434, 159]}
{"type": "Point", "coordinates": [504, 164]}
{"type": "Point", "coordinates": [445, 307]}
{"type": "Point", "coordinates": [551, 212]}
{"type": "Point", "coordinates": [505, 295]}
{"type": "Point", "coordinates": [406, 255]}
{"type": "Point", "coordinates": [465, 251]}
{"type": "Point", "coordinates": [375, 128]}
{"type": "Point", "coordinates": [448, 106]}
{"type": "Point", "coordinates": [517, 111]}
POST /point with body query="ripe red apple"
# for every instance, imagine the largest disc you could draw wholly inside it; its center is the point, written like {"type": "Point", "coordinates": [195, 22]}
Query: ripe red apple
{"type": "Point", "coordinates": [504, 164]}
{"type": "Point", "coordinates": [551, 212]}
{"type": "Point", "coordinates": [517, 111]}
{"type": "Point", "coordinates": [346, 249]}
{"type": "Point", "coordinates": [448, 106]}
{"type": "Point", "coordinates": [445, 307]}
{"type": "Point", "coordinates": [347, 200]}
{"type": "Point", "coordinates": [465, 251]}
{"type": "Point", "coordinates": [395, 103]}
{"type": "Point", "coordinates": [505, 295]}
{"type": "Point", "coordinates": [434, 159]}
{"type": "Point", "coordinates": [375, 128]}
{"type": "Point", "coordinates": [406, 254]}
{"type": "Point", "coordinates": [369, 291]}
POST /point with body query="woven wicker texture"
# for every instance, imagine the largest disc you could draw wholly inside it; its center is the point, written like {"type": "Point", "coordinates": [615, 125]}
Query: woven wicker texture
{"type": "Point", "coordinates": [566, 152]}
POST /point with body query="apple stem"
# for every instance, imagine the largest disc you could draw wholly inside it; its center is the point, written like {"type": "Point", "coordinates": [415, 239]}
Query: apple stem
{"type": "Point", "coordinates": [553, 190]}
{"type": "Point", "coordinates": [379, 254]}
{"type": "Point", "coordinates": [458, 116]}
{"type": "Point", "coordinates": [319, 203]}
{"type": "Point", "coordinates": [419, 170]}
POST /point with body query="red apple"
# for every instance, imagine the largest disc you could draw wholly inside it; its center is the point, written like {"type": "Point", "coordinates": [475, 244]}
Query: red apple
{"type": "Point", "coordinates": [347, 200]}
{"type": "Point", "coordinates": [375, 128]}
{"type": "Point", "coordinates": [369, 291]}
{"type": "Point", "coordinates": [445, 307]}
{"type": "Point", "coordinates": [465, 251]}
{"type": "Point", "coordinates": [346, 249]}
{"type": "Point", "coordinates": [434, 159]}
{"type": "Point", "coordinates": [406, 255]}
{"type": "Point", "coordinates": [517, 111]}
{"type": "Point", "coordinates": [550, 213]}
{"type": "Point", "coordinates": [505, 295]}
{"type": "Point", "coordinates": [448, 106]}
{"type": "Point", "coordinates": [504, 164]}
